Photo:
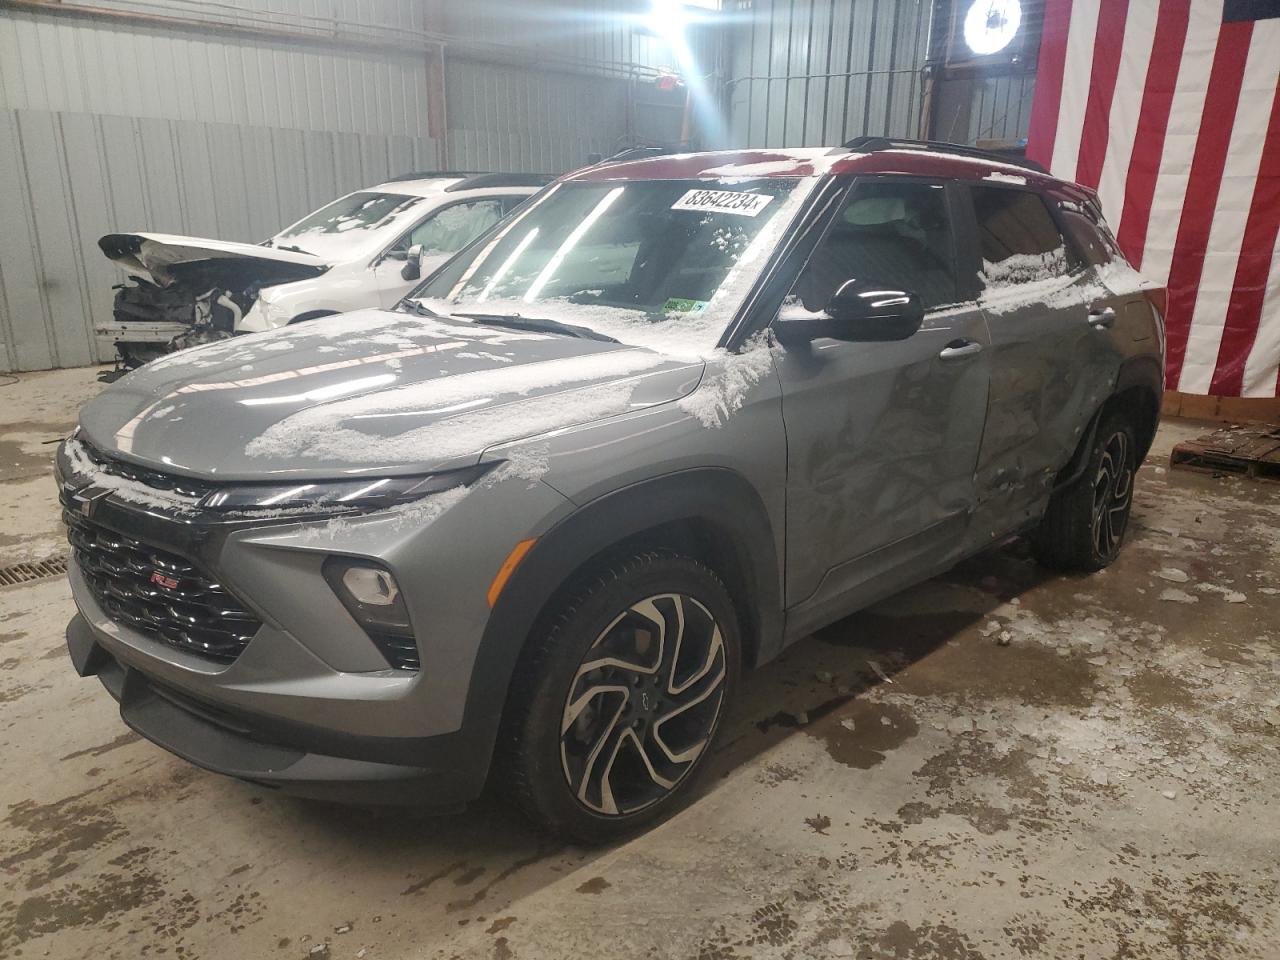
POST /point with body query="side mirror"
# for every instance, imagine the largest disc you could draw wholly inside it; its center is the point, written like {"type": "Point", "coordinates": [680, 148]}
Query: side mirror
{"type": "Point", "coordinates": [859, 312]}
{"type": "Point", "coordinates": [412, 268]}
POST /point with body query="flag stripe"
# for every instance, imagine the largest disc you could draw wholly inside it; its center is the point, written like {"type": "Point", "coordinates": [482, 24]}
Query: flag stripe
{"type": "Point", "coordinates": [1180, 137]}
{"type": "Point", "coordinates": [1126, 107]}
{"type": "Point", "coordinates": [1244, 313]}
{"type": "Point", "coordinates": [1109, 38]}
{"type": "Point", "coordinates": [1262, 369]}
{"type": "Point", "coordinates": [1200, 199]}
{"type": "Point", "coordinates": [1231, 212]}
{"type": "Point", "coordinates": [1153, 122]}
{"type": "Point", "coordinates": [1075, 86]}
{"type": "Point", "coordinates": [1049, 73]}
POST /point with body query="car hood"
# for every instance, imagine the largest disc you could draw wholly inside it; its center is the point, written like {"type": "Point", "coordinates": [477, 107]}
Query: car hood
{"type": "Point", "coordinates": [368, 392]}
{"type": "Point", "coordinates": [164, 259]}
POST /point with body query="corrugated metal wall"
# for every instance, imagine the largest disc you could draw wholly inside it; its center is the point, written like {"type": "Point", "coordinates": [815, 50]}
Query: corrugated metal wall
{"type": "Point", "coordinates": [817, 72]}
{"type": "Point", "coordinates": [514, 118]}
{"type": "Point", "coordinates": [540, 86]}
{"type": "Point", "coordinates": [112, 128]}
{"type": "Point", "coordinates": [235, 128]}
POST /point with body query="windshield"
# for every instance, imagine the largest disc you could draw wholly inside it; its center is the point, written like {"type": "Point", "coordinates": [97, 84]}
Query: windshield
{"type": "Point", "coordinates": [347, 224]}
{"type": "Point", "coordinates": [657, 263]}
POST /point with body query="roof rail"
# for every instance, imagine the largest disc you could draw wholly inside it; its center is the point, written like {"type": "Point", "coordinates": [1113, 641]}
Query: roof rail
{"type": "Point", "coordinates": [630, 153]}
{"type": "Point", "coordinates": [432, 175]}
{"type": "Point", "coordinates": [486, 180]}
{"type": "Point", "coordinates": [872, 144]}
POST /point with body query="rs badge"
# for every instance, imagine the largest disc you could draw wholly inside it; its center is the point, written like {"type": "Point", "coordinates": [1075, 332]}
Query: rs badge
{"type": "Point", "coordinates": [158, 578]}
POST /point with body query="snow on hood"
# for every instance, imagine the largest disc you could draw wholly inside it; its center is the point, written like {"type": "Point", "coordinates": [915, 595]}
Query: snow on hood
{"type": "Point", "coordinates": [164, 259]}
{"type": "Point", "coordinates": [369, 392]}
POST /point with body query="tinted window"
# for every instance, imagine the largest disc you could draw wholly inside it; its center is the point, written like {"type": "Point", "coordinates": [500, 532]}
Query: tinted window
{"type": "Point", "coordinates": [1013, 223]}
{"type": "Point", "coordinates": [1089, 236]}
{"type": "Point", "coordinates": [893, 234]}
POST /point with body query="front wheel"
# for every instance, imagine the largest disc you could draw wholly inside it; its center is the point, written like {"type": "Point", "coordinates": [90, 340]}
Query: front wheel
{"type": "Point", "coordinates": [1084, 527]}
{"type": "Point", "coordinates": [616, 706]}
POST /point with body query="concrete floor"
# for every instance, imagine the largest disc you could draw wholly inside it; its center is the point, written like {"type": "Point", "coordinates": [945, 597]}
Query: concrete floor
{"type": "Point", "coordinates": [999, 763]}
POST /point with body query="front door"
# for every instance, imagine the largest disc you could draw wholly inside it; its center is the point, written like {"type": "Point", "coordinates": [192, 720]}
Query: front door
{"type": "Point", "coordinates": [882, 437]}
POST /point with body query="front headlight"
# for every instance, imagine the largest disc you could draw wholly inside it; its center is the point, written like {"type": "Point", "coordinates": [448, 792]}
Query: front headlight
{"type": "Point", "coordinates": [335, 496]}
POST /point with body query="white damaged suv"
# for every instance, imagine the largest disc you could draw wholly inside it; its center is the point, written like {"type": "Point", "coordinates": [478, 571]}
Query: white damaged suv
{"type": "Point", "coordinates": [366, 249]}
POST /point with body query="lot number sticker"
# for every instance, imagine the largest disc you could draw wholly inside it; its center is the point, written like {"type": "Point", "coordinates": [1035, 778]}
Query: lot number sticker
{"type": "Point", "coordinates": [723, 201]}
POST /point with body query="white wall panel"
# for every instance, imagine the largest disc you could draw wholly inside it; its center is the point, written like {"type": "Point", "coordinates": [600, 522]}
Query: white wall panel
{"type": "Point", "coordinates": [70, 178]}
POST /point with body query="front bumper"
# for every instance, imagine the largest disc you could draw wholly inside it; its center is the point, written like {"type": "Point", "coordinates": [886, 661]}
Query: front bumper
{"type": "Point", "coordinates": [440, 772]}
{"type": "Point", "coordinates": [310, 704]}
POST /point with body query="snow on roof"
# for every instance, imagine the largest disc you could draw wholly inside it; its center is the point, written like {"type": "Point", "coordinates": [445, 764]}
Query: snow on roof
{"type": "Point", "coordinates": [426, 187]}
{"type": "Point", "coordinates": [808, 161]}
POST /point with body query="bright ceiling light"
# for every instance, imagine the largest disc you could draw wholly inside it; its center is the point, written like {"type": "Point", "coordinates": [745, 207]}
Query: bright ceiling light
{"type": "Point", "coordinates": [668, 19]}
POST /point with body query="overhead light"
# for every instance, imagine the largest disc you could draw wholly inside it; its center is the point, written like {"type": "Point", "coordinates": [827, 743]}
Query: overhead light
{"type": "Point", "coordinates": [991, 25]}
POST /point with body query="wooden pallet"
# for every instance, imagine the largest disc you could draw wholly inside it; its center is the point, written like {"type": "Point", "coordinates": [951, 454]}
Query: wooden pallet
{"type": "Point", "coordinates": [1252, 451]}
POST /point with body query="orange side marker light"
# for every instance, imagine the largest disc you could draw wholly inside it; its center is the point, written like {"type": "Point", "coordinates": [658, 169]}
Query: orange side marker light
{"type": "Point", "coordinates": [508, 567]}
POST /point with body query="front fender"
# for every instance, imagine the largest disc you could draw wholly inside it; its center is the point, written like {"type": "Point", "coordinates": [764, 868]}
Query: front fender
{"type": "Point", "coordinates": [716, 497]}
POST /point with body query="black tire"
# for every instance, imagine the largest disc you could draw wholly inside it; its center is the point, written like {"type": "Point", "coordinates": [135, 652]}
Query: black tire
{"type": "Point", "coordinates": [134, 355]}
{"type": "Point", "coordinates": [564, 718]}
{"type": "Point", "coordinates": [1084, 527]}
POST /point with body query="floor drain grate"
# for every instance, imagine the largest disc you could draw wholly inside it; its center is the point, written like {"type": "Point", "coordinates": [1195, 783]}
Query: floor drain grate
{"type": "Point", "coordinates": [26, 572]}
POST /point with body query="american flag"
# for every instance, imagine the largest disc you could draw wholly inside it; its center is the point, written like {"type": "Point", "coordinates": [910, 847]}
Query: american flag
{"type": "Point", "coordinates": [1170, 109]}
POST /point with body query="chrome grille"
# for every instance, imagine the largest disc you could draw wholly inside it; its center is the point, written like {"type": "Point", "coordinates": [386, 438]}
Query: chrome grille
{"type": "Point", "coordinates": [158, 593]}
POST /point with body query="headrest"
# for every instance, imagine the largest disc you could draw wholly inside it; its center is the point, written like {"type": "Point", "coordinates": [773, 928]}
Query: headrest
{"type": "Point", "coordinates": [870, 211]}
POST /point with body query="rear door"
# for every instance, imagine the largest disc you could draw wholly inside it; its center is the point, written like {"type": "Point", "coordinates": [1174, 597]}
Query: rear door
{"type": "Point", "coordinates": [1053, 358]}
{"type": "Point", "coordinates": [882, 438]}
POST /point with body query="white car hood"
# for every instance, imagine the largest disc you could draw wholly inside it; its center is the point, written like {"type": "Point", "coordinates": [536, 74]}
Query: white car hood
{"type": "Point", "coordinates": [164, 259]}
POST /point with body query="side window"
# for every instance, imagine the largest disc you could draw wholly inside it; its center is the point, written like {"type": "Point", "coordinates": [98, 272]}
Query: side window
{"type": "Point", "coordinates": [893, 233]}
{"type": "Point", "coordinates": [1088, 234]}
{"type": "Point", "coordinates": [451, 229]}
{"type": "Point", "coordinates": [1017, 237]}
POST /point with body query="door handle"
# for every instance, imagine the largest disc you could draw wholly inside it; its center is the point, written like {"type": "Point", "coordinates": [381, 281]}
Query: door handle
{"type": "Point", "coordinates": [1101, 318]}
{"type": "Point", "coordinates": [959, 349]}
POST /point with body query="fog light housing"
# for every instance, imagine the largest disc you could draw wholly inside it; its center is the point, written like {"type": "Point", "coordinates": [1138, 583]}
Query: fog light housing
{"type": "Point", "coordinates": [373, 598]}
{"type": "Point", "coordinates": [371, 586]}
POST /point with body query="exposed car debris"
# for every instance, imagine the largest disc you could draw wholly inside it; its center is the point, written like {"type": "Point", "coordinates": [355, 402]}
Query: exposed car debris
{"type": "Point", "coordinates": [371, 247]}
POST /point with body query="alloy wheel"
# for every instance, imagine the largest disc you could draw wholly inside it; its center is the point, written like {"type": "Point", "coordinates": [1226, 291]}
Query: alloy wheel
{"type": "Point", "coordinates": [643, 705]}
{"type": "Point", "coordinates": [1112, 495]}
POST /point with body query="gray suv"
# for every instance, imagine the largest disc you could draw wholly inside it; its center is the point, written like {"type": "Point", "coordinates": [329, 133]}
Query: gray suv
{"type": "Point", "coordinates": [670, 416]}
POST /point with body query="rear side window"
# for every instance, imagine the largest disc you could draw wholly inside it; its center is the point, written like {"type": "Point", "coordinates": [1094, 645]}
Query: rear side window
{"type": "Point", "coordinates": [1018, 238]}
{"type": "Point", "coordinates": [1087, 232]}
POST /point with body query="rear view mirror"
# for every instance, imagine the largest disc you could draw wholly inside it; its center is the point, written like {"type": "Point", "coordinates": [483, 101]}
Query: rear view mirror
{"type": "Point", "coordinates": [412, 268]}
{"type": "Point", "coordinates": [859, 312]}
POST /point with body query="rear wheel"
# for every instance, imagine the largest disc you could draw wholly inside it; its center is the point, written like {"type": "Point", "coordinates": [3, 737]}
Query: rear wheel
{"type": "Point", "coordinates": [1084, 527]}
{"type": "Point", "coordinates": [619, 702]}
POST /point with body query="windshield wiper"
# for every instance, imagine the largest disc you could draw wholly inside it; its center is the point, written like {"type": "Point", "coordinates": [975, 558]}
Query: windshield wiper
{"type": "Point", "coordinates": [539, 324]}
{"type": "Point", "coordinates": [421, 309]}
{"type": "Point", "coordinates": [294, 249]}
